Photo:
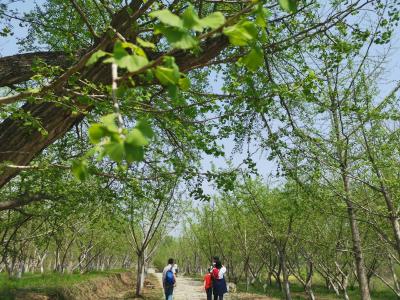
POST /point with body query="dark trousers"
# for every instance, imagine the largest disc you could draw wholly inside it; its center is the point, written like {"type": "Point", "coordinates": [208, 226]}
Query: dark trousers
{"type": "Point", "coordinates": [209, 293]}
{"type": "Point", "coordinates": [168, 291]}
{"type": "Point", "coordinates": [218, 297]}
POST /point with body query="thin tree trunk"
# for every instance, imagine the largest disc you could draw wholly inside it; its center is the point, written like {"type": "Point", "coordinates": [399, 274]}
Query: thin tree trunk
{"type": "Point", "coordinates": [357, 247]}
{"type": "Point", "coordinates": [342, 156]}
{"type": "Point", "coordinates": [140, 274]}
{"type": "Point", "coordinates": [385, 192]}
{"type": "Point", "coordinates": [308, 287]}
{"type": "Point", "coordinates": [286, 284]}
{"type": "Point", "coordinates": [394, 276]}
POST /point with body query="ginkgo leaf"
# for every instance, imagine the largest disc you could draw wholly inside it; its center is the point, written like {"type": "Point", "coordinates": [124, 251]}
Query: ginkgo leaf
{"type": "Point", "coordinates": [254, 59]}
{"type": "Point", "coordinates": [135, 137]}
{"type": "Point", "coordinates": [145, 44]}
{"type": "Point", "coordinates": [238, 35]}
{"type": "Point", "coordinates": [166, 75]}
{"type": "Point", "coordinates": [96, 56]}
{"type": "Point", "coordinates": [289, 5]}
{"type": "Point", "coordinates": [213, 21]}
{"type": "Point", "coordinates": [96, 133]}
{"type": "Point", "coordinates": [168, 18]}
{"type": "Point", "coordinates": [191, 20]}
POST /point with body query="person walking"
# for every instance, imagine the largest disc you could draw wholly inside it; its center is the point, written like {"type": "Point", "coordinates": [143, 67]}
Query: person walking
{"type": "Point", "coordinates": [208, 284]}
{"type": "Point", "coordinates": [176, 270]}
{"type": "Point", "coordinates": [219, 282]}
{"type": "Point", "coordinates": [169, 279]}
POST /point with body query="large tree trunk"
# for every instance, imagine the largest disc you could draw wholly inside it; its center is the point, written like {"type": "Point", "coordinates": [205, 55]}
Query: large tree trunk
{"type": "Point", "coordinates": [20, 144]}
{"type": "Point", "coordinates": [18, 68]}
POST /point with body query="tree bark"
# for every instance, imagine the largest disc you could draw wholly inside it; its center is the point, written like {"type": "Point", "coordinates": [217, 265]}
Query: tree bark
{"type": "Point", "coordinates": [17, 68]}
{"type": "Point", "coordinates": [308, 283]}
{"type": "Point", "coordinates": [140, 274]}
{"type": "Point", "coordinates": [342, 144]}
{"type": "Point", "coordinates": [286, 284]}
{"type": "Point", "coordinates": [393, 216]}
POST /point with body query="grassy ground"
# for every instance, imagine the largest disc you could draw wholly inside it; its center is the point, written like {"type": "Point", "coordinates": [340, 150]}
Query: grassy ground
{"type": "Point", "coordinates": [379, 290]}
{"type": "Point", "coordinates": [44, 283]}
{"type": "Point", "coordinates": [50, 283]}
{"type": "Point", "coordinates": [379, 293]}
{"type": "Point", "coordinates": [36, 280]}
{"type": "Point", "coordinates": [153, 291]}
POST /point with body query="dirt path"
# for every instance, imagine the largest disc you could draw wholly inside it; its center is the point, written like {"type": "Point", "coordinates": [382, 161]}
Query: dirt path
{"type": "Point", "coordinates": [190, 289]}
{"type": "Point", "coordinates": [187, 289]}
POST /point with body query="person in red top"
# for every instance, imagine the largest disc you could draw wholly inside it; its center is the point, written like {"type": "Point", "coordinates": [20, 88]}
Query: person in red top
{"type": "Point", "coordinates": [208, 284]}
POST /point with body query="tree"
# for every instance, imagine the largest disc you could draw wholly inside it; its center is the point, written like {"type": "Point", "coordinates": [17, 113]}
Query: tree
{"type": "Point", "coordinates": [80, 87]}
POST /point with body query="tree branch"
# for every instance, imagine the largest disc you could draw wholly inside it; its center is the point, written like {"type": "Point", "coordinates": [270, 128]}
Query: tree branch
{"type": "Point", "coordinates": [84, 18]}
{"type": "Point", "coordinates": [21, 201]}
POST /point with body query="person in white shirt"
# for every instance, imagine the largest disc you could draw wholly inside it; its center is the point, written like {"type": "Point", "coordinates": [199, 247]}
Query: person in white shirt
{"type": "Point", "coordinates": [176, 269]}
{"type": "Point", "coordinates": [221, 272]}
{"type": "Point", "coordinates": [219, 282]}
{"type": "Point", "coordinates": [169, 279]}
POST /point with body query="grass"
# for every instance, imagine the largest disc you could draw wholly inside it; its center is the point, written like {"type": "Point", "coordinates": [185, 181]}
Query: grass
{"type": "Point", "coordinates": [45, 283]}
{"type": "Point", "coordinates": [320, 292]}
{"type": "Point", "coordinates": [153, 294]}
{"type": "Point", "coordinates": [379, 290]}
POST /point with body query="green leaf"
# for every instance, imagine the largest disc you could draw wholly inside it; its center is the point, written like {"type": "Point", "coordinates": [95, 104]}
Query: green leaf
{"type": "Point", "coordinates": [128, 45]}
{"type": "Point", "coordinates": [136, 62]}
{"type": "Point", "coordinates": [166, 75]}
{"type": "Point", "coordinates": [119, 52]}
{"type": "Point", "coordinates": [262, 15]}
{"type": "Point", "coordinates": [191, 20]}
{"type": "Point", "coordinates": [213, 20]}
{"type": "Point", "coordinates": [80, 169]}
{"type": "Point", "coordinates": [133, 153]}
{"type": "Point", "coordinates": [168, 18]}
{"type": "Point", "coordinates": [251, 28]}
{"type": "Point", "coordinates": [173, 91]}
{"type": "Point", "coordinates": [176, 37]}
{"type": "Point", "coordinates": [109, 122]}
{"type": "Point", "coordinates": [238, 35]}
{"type": "Point", "coordinates": [96, 133]}
{"type": "Point", "coordinates": [120, 56]}
{"type": "Point", "coordinates": [184, 83]}
{"type": "Point", "coordinates": [180, 39]}
{"type": "Point", "coordinates": [139, 51]}
{"type": "Point", "coordinates": [169, 61]}
{"type": "Point", "coordinates": [136, 138]}
{"type": "Point", "coordinates": [115, 150]}
{"type": "Point", "coordinates": [145, 44]}
{"type": "Point", "coordinates": [145, 128]}
{"type": "Point", "coordinates": [289, 5]}
{"type": "Point", "coordinates": [96, 56]}
{"type": "Point", "coordinates": [254, 59]}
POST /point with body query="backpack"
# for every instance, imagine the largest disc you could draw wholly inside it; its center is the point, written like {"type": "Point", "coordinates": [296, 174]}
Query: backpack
{"type": "Point", "coordinates": [169, 277]}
